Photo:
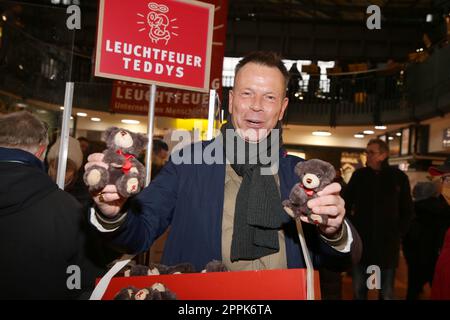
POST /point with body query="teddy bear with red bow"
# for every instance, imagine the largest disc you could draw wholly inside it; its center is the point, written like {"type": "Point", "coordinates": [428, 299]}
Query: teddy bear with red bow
{"type": "Point", "coordinates": [124, 170]}
{"type": "Point", "coordinates": [315, 175]}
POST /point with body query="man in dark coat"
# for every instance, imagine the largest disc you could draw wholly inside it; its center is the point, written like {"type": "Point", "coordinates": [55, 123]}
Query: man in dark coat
{"type": "Point", "coordinates": [378, 200]}
{"type": "Point", "coordinates": [39, 223]}
{"type": "Point", "coordinates": [231, 211]}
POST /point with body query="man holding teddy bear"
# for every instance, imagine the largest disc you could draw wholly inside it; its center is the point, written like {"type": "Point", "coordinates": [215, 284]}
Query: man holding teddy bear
{"type": "Point", "coordinates": [226, 210]}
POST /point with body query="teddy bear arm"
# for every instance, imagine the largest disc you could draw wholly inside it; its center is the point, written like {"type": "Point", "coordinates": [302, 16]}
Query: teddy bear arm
{"type": "Point", "coordinates": [113, 158]}
{"type": "Point", "coordinates": [298, 195]}
{"type": "Point", "coordinates": [138, 165]}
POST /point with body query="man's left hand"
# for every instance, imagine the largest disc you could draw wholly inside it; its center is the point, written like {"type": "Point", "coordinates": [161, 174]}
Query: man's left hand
{"type": "Point", "coordinates": [330, 208]}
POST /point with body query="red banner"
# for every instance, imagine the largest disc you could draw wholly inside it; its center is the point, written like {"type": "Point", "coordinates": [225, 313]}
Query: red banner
{"type": "Point", "coordinates": [133, 98]}
{"type": "Point", "coordinates": [167, 42]}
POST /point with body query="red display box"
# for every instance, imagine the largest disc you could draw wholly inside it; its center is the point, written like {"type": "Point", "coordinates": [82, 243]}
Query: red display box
{"type": "Point", "coordinates": [243, 285]}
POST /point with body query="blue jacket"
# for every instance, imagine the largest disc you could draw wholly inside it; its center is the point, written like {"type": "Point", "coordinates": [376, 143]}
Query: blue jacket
{"type": "Point", "coordinates": [189, 198]}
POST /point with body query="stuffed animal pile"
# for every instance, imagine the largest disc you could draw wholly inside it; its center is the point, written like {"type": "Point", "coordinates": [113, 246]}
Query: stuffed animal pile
{"type": "Point", "coordinates": [158, 291]}
{"type": "Point", "coordinates": [135, 270]}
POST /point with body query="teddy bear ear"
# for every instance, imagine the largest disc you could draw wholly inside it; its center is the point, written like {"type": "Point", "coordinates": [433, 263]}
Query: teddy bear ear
{"type": "Point", "coordinates": [111, 131]}
{"type": "Point", "coordinates": [141, 141]}
{"type": "Point", "coordinates": [299, 168]}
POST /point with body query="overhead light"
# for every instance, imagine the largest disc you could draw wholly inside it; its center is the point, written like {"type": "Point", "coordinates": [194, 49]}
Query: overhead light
{"type": "Point", "coordinates": [398, 134]}
{"type": "Point", "coordinates": [359, 136]}
{"type": "Point", "coordinates": [81, 114]}
{"type": "Point", "coordinates": [61, 108]}
{"type": "Point", "coordinates": [128, 121]}
{"type": "Point", "coordinates": [429, 18]}
{"type": "Point", "coordinates": [71, 118]}
{"type": "Point", "coordinates": [96, 119]}
{"type": "Point", "coordinates": [391, 138]}
{"type": "Point", "coordinates": [20, 67]}
{"type": "Point", "coordinates": [380, 127]}
{"type": "Point", "coordinates": [368, 132]}
{"type": "Point", "coordinates": [4, 18]}
{"type": "Point", "coordinates": [321, 133]}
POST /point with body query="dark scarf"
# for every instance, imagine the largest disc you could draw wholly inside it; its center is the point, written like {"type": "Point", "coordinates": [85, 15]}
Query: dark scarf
{"type": "Point", "coordinates": [258, 213]}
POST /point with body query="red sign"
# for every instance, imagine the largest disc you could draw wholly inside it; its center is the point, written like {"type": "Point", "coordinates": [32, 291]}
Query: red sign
{"type": "Point", "coordinates": [163, 42]}
{"type": "Point", "coordinates": [134, 98]}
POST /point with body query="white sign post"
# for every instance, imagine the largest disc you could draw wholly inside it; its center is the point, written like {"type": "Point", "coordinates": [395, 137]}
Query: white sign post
{"type": "Point", "coordinates": [211, 112]}
{"type": "Point", "coordinates": [150, 126]}
{"type": "Point", "coordinates": [64, 139]}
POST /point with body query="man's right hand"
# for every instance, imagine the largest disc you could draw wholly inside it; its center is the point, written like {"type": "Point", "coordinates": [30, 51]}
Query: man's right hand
{"type": "Point", "coordinates": [108, 199]}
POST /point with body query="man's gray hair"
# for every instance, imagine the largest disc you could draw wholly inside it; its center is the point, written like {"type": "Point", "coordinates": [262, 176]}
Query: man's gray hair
{"type": "Point", "coordinates": [22, 130]}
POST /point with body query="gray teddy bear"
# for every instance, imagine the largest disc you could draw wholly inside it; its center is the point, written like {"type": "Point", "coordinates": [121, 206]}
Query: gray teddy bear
{"type": "Point", "coordinates": [124, 170]}
{"type": "Point", "coordinates": [314, 176]}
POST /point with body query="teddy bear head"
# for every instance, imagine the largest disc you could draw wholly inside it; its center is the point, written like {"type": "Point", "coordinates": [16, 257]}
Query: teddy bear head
{"type": "Point", "coordinates": [315, 174]}
{"type": "Point", "coordinates": [125, 140]}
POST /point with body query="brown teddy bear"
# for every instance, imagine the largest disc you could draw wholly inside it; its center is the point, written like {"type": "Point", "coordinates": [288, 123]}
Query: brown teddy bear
{"type": "Point", "coordinates": [126, 293]}
{"type": "Point", "coordinates": [157, 291]}
{"type": "Point", "coordinates": [124, 170]}
{"type": "Point", "coordinates": [132, 269]}
{"type": "Point", "coordinates": [215, 266]}
{"type": "Point", "coordinates": [314, 176]}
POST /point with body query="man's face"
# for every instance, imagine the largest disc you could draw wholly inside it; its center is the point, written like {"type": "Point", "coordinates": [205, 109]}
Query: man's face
{"type": "Point", "coordinates": [374, 156]}
{"type": "Point", "coordinates": [84, 145]}
{"type": "Point", "coordinates": [163, 155]}
{"type": "Point", "coordinates": [160, 158]}
{"type": "Point", "coordinates": [445, 182]}
{"type": "Point", "coordinates": [53, 171]}
{"type": "Point", "coordinates": [257, 101]}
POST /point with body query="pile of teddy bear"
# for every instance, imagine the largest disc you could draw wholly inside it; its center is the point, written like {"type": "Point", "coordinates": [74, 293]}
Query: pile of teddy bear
{"type": "Point", "coordinates": [158, 291]}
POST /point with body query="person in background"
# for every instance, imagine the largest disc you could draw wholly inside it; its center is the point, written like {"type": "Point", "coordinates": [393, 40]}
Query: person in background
{"type": "Point", "coordinates": [85, 146]}
{"type": "Point", "coordinates": [99, 254]}
{"type": "Point", "coordinates": [40, 225]}
{"type": "Point", "coordinates": [160, 156]}
{"type": "Point", "coordinates": [378, 200]}
{"type": "Point", "coordinates": [73, 165]}
{"type": "Point", "coordinates": [440, 289]}
{"type": "Point", "coordinates": [423, 241]}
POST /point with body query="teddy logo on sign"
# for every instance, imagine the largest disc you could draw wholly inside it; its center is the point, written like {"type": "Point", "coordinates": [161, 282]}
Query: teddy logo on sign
{"type": "Point", "coordinates": [158, 22]}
